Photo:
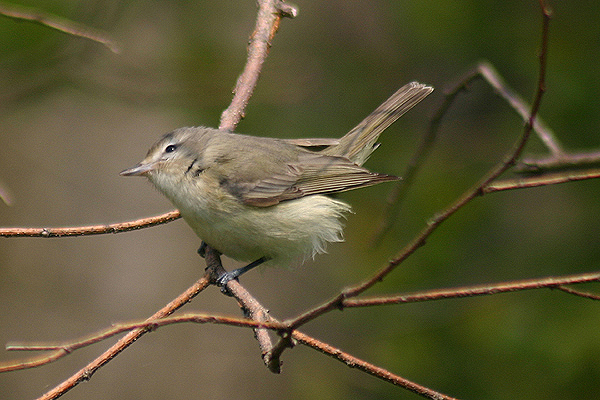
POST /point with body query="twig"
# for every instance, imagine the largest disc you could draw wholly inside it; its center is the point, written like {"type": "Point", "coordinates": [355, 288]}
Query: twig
{"type": "Point", "coordinates": [479, 290]}
{"type": "Point", "coordinates": [92, 229]}
{"type": "Point", "coordinates": [489, 75]}
{"type": "Point", "coordinates": [559, 162]}
{"type": "Point", "coordinates": [86, 372]}
{"type": "Point", "coordinates": [150, 325]}
{"type": "Point", "coordinates": [543, 180]}
{"type": "Point", "coordinates": [73, 28]}
{"type": "Point", "coordinates": [251, 308]}
{"type": "Point", "coordinates": [369, 368]}
{"type": "Point", "coordinates": [578, 293]}
{"type": "Point", "coordinates": [63, 349]}
{"type": "Point", "coordinates": [270, 13]}
{"type": "Point", "coordinates": [255, 311]}
{"type": "Point", "coordinates": [33, 362]}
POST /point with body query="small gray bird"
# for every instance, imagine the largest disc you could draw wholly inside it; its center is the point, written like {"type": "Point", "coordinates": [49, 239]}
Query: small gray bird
{"type": "Point", "coordinates": [259, 199]}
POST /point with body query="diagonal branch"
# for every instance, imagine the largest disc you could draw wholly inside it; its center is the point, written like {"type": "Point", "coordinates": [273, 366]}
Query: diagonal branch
{"type": "Point", "coordinates": [488, 74]}
{"type": "Point", "coordinates": [369, 368]}
{"type": "Point", "coordinates": [73, 28]}
{"type": "Point", "coordinates": [574, 292]}
{"type": "Point", "coordinates": [267, 23]}
{"type": "Point", "coordinates": [476, 190]}
{"type": "Point", "coordinates": [86, 372]}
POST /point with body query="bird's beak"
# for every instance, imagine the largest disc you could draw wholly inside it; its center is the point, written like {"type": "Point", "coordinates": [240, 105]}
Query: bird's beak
{"type": "Point", "coordinates": [139, 170]}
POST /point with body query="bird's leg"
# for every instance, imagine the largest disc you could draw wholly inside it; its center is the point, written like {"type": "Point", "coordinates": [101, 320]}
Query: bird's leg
{"type": "Point", "coordinates": [202, 249]}
{"type": "Point", "coordinates": [227, 276]}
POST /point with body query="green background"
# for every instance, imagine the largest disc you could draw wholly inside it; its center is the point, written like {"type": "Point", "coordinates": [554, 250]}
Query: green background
{"type": "Point", "coordinates": [73, 114]}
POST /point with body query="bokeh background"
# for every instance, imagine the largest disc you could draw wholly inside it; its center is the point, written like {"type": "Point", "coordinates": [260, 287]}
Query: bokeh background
{"type": "Point", "coordinates": [73, 114]}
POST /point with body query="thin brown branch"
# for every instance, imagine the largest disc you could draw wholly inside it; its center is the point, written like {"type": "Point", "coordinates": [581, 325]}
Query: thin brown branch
{"type": "Point", "coordinates": [250, 307]}
{"type": "Point", "coordinates": [559, 162]}
{"type": "Point", "coordinates": [255, 311]}
{"type": "Point", "coordinates": [558, 158]}
{"type": "Point", "coordinates": [92, 229]}
{"type": "Point", "coordinates": [398, 193]}
{"type": "Point", "coordinates": [150, 325]}
{"type": "Point", "coordinates": [493, 78]}
{"type": "Point", "coordinates": [488, 74]}
{"type": "Point", "coordinates": [369, 368]}
{"type": "Point", "coordinates": [34, 361]}
{"type": "Point", "coordinates": [73, 28]}
{"type": "Point", "coordinates": [585, 295]}
{"type": "Point", "coordinates": [63, 349]}
{"type": "Point", "coordinates": [268, 17]}
{"type": "Point", "coordinates": [541, 180]}
{"type": "Point", "coordinates": [86, 372]}
{"type": "Point", "coordinates": [478, 290]}
{"type": "Point", "coordinates": [270, 13]}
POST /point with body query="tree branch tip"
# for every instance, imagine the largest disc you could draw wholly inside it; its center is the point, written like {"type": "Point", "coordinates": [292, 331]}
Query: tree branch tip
{"type": "Point", "coordinates": [14, 347]}
{"type": "Point", "coordinates": [547, 11]}
{"type": "Point", "coordinates": [272, 362]}
{"type": "Point", "coordinates": [274, 365]}
{"type": "Point", "coordinates": [272, 357]}
{"type": "Point", "coordinates": [485, 65]}
{"type": "Point", "coordinates": [286, 10]}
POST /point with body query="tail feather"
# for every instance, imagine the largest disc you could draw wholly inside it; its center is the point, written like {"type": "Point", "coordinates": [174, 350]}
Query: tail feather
{"type": "Point", "coordinates": [358, 144]}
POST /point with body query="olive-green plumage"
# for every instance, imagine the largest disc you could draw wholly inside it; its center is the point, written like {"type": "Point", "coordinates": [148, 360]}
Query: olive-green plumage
{"type": "Point", "coordinates": [253, 197]}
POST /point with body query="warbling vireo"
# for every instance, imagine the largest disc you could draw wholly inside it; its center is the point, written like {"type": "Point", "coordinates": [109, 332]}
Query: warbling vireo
{"type": "Point", "coordinates": [263, 199]}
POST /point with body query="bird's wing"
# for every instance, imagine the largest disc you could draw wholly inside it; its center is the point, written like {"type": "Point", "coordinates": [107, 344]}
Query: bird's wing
{"type": "Point", "coordinates": [311, 174]}
{"type": "Point", "coordinates": [313, 142]}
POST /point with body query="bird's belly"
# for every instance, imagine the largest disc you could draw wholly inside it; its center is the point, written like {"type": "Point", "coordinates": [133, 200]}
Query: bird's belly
{"type": "Point", "coordinates": [286, 233]}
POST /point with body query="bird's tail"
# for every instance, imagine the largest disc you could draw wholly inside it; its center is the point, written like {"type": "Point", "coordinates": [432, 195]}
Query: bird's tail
{"type": "Point", "coordinates": [358, 144]}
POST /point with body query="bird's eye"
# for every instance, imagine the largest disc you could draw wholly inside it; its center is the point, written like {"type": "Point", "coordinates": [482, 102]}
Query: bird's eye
{"type": "Point", "coordinates": [170, 148]}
